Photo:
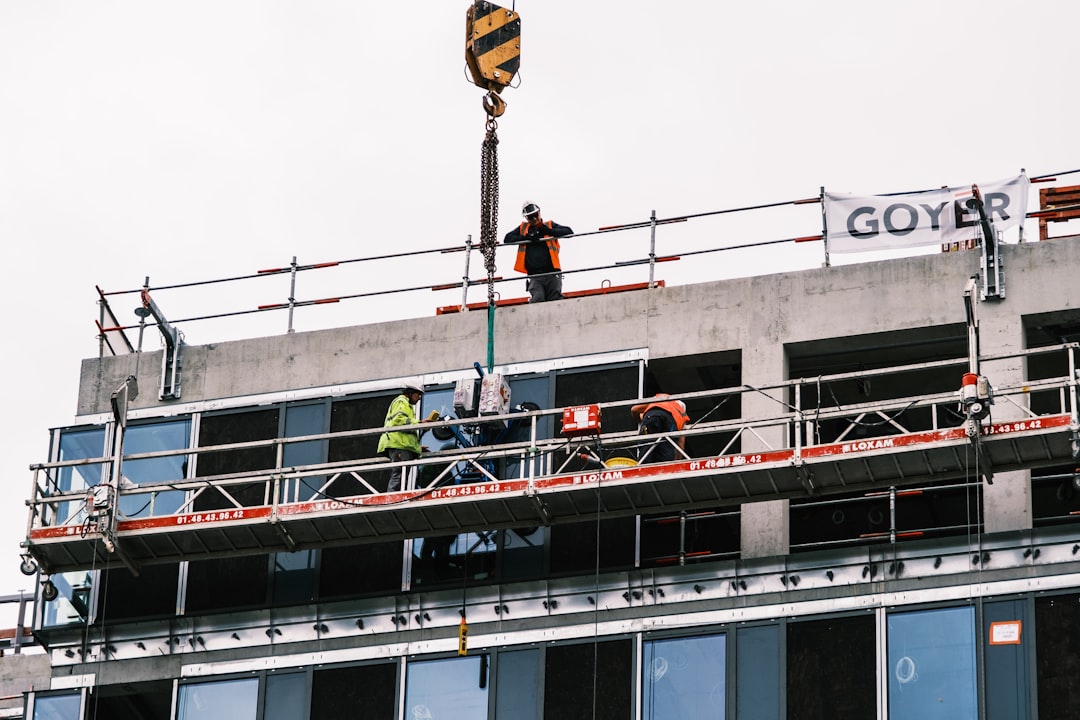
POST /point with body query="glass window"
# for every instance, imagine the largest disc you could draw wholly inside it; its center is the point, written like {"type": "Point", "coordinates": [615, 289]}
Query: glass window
{"type": "Point", "coordinates": [72, 603]}
{"type": "Point", "coordinates": [583, 547]}
{"type": "Point", "coordinates": [286, 697]}
{"type": "Point", "coordinates": [832, 668]}
{"type": "Point", "coordinates": [77, 445]}
{"type": "Point", "coordinates": [684, 678]}
{"type": "Point", "coordinates": [358, 691]}
{"type": "Point", "coordinates": [227, 583]}
{"type": "Point", "coordinates": [517, 684]}
{"type": "Point", "coordinates": [225, 700]}
{"type": "Point", "coordinates": [294, 573]}
{"type": "Point", "coordinates": [124, 597]}
{"type": "Point", "coordinates": [465, 558]}
{"type": "Point", "coordinates": [301, 420]}
{"type": "Point", "coordinates": [931, 664]}
{"type": "Point", "coordinates": [148, 438]}
{"type": "Point", "coordinates": [57, 707]}
{"type": "Point", "coordinates": [238, 427]}
{"type": "Point", "coordinates": [589, 681]}
{"type": "Point", "coordinates": [758, 688]}
{"type": "Point", "coordinates": [381, 562]}
{"type": "Point", "coordinates": [473, 557]}
{"type": "Point", "coordinates": [143, 700]}
{"type": "Point", "coordinates": [1057, 655]}
{"type": "Point", "coordinates": [294, 576]}
{"type": "Point", "coordinates": [452, 689]}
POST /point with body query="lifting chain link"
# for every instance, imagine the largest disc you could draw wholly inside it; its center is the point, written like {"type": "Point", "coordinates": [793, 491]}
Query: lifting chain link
{"type": "Point", "coordinates": [489, 203]}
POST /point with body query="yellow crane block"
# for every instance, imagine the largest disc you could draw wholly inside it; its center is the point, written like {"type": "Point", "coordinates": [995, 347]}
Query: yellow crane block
{"type": "Point", "coordinates": [492, 49]}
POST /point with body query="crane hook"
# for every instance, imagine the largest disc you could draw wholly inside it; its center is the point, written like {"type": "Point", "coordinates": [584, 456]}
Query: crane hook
{"type": "Point", "coordinates": [493, 104]}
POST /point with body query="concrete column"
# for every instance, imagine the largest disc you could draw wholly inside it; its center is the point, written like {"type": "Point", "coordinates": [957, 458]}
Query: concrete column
{"type": "Point", "coordinates": [1006, 502]}
{"type": "Point", "coordinates": [765, 527]}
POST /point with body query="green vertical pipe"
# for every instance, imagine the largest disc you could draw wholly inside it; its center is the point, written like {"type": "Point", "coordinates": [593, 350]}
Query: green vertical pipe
{"type": "Point", "coordinates": [491, 336]}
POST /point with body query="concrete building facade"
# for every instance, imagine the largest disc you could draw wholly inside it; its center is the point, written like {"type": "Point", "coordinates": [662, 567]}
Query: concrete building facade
{"type": "Point", "coordinates": [842, 537]}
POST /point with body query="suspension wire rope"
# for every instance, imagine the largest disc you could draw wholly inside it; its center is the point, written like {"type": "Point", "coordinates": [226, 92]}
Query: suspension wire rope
{"type": "Point", "coordinates": [104, 595]}
{"type": "Point", "coordinates": [596, 607]}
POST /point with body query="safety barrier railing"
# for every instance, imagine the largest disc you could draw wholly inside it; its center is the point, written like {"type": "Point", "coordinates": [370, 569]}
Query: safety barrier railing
{"type": "Point", "coordinates": [534, 456]}
{"type": "Point", "coordinates": [637, 270]}
{"type": "Point", "coordinates": [18, 637]}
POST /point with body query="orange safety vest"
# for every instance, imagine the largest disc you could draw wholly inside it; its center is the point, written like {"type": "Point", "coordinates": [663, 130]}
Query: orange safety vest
{"type": "Point", "coordinates": [552, 246]}
{"type": "Point", "coordinates": [676, 408]}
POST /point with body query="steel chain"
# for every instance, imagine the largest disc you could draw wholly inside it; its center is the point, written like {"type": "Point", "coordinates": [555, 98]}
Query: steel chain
{"type": "Point", "coordinates": [489, 203]}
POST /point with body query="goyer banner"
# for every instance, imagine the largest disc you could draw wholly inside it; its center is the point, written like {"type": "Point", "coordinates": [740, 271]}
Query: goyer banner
{"type": "Point", "coordinates": [883, 222]}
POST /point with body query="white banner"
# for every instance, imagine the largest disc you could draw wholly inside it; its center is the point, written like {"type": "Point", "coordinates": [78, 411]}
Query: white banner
{"type": "Point", "coordinates": [884, 222]}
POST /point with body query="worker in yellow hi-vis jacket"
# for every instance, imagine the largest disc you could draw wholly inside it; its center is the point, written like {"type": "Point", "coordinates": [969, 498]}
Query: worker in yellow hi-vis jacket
{"type": "Point", "coordinates": [402, 445]}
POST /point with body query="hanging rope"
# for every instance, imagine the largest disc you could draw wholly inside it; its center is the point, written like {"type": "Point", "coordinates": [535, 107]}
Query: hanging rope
{"type": "Point", "coordinates": [489, 222]}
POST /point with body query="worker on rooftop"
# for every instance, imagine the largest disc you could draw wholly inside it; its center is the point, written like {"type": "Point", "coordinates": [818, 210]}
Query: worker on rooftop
{"type": "Point", "coordinates": [538, 253]}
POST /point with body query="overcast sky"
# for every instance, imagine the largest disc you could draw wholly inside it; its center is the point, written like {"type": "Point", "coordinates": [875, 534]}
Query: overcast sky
{"type": "Point", "coordinates": [201, 140]}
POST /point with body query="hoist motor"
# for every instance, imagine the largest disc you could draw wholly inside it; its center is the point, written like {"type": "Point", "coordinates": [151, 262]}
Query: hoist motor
{"type": "Point", "coordinates": [976, 395]}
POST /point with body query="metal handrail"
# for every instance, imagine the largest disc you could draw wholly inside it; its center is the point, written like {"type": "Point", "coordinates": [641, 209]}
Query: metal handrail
{"type": "Point", "coordinates": [534, 457]}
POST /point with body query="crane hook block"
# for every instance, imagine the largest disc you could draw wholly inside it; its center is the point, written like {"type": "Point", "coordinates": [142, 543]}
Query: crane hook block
{"type": "Point", "coordinates": [492, 45]}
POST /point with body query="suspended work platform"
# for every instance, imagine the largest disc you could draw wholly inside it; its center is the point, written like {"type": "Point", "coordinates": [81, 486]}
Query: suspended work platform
{"type": "Point", "coordinates": [559, 480]}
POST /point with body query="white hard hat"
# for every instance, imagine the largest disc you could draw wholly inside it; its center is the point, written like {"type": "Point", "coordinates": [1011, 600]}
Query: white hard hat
{"type": "Point", "coordinates": [413, 385]}
{"type": "Point", "coordinates": [529, 208]}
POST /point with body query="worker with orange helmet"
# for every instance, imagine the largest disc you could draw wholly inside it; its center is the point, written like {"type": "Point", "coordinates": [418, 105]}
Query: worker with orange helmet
{"type": "Point", "coordinates": [538, 253]}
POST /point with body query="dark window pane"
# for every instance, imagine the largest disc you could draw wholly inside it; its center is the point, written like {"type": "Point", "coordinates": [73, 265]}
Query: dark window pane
{"type": "Point", "coordinates": [704, 536]}
{"type": "Point", "coordinates": [226, 584]}
{"type": "Point", "coordinates": [572, 673]}
{"type": "Point", "coordinates": [286, 697]}
{"type": "Point", "coordinates": [363, 691]}
{"type": "Point", "coordinates": [455, 559]}
{"type": "Point", "coordinates": [126, 597]}
{"type": "Point", "coordinates": [597, 386]}
{"type": "Point", "coordinates": [357, 414]}
{"type": "Point", "coordinates": [359, 570]}
{"type": "Point", "coordinates": [133, 701]}
{"type": "Point", "coordinates": [523, 553]}
{"type": "Point", "coordinates": [1057, 656]}
{"type": "Point", "coordinates": [1008, 684]}
{"type": "Point", "coordinates": [574, 546]}
{"type": "Point", "coordinates": [517, 693]}
{"type": "Point", "coordinates": [831, 669]}
{"type": "Point", "coordinates": [294, 576]}
{"type": "Point", "coordinates": [236, 428]}
{"type": "Point", "coordinates": [757, 672]}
